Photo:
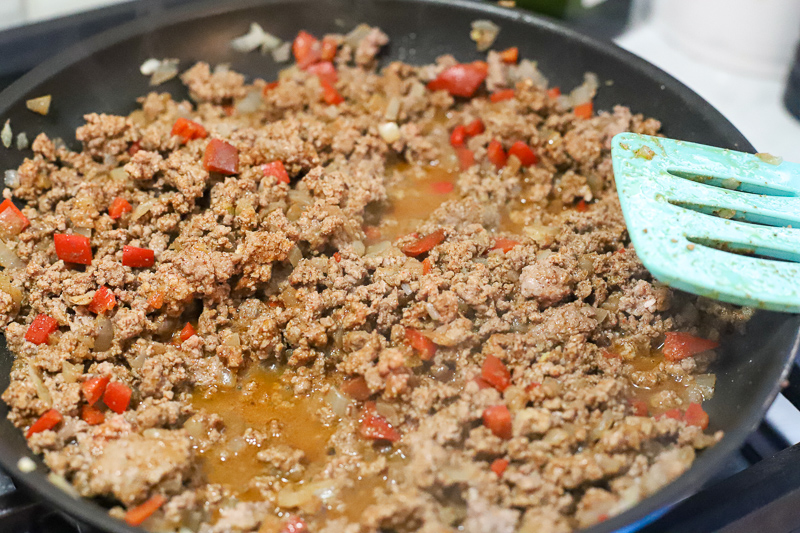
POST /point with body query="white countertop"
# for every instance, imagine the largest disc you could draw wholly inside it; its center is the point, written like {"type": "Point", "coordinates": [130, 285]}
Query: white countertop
{"type": "Point", "coordinates": [754, 105]}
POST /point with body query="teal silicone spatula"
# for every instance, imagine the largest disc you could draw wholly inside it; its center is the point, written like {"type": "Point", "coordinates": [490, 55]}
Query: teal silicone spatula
{"type": "Point", "coordinates": [710, 221]}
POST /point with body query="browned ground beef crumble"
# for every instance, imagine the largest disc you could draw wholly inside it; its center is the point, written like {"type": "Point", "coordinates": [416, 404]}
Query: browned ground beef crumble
{"type": "Point", "coordinates": [293, 303]}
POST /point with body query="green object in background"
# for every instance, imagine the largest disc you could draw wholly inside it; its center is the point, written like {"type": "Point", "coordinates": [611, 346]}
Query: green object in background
{"type": "Point", "coordinates": [694, 211]}
{"type": "Point", "coordinates": [599, 18]}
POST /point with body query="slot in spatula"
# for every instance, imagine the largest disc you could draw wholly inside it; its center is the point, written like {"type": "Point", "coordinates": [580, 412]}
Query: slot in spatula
{"type": "Point", "coordinates": [711, 221]}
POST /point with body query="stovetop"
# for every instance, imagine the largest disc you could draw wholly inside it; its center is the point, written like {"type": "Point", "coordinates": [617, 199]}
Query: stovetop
{"type": "Point", "coordinates": [758, 490]}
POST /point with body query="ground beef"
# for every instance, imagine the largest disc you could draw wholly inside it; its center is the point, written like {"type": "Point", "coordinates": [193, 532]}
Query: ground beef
{"type": "Point", "coordinates": [352, 330]}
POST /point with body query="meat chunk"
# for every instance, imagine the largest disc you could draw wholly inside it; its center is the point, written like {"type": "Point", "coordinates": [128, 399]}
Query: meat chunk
{"type": "Point", "coordinates": [133, 466]}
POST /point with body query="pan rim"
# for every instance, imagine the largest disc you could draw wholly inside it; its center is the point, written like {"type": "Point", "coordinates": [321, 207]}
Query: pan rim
{"type": "Point", "coordinates": [638, 516]}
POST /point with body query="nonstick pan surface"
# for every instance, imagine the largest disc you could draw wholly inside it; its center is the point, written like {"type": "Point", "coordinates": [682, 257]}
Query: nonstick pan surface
{"type": "Point", "coordinates": [102, 75]}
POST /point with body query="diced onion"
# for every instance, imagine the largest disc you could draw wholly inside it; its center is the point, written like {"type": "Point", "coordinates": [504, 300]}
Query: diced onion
{"type": "Point", "coordinates": [484, 33]}
{"type": "Point", "coordinates": [140, 210]}
{"type": "Point", "coordinates": [541, 234]}
{"type": "Point", "coordinates": [249, 103]}
{"type": "Point", "coordinates": [8, 259]}
{"type": "Point", "coordinates": [232, 340]}
{"type": "Point", "coordinates": [434, 314]}
{"type": "Point", "coordinates": [86, 232]}
{"type": "Point", "coordinates": [389, 131]}
{"type": "Point", "coordinates": [255, 38]}
{"type": "Point", "coordinates": [392, 109]}
{"type": "Point", "coordinates": [337, 401]}
{"type": "Point", "coordinates": [582, 93]}
{"type": "Point", "coordinates": [356, 35]}
{"type": "Point", "coordinates": [526, 70]}
{"type": "Point", "coordinates": [406, 288]}
{"type": "Point", "coordinates": [769, 158]}
{"type": "Point", "coordinates": [282, 53]}
{"type": "Point", "coordinates": [62, 484]}
{"type": "Point", "coordinates": [70, 372]}
{"type": "Point", "coordinates": [6, 135]}
{"type": "Point", "coordinates": [304, 494]}
{"type": "Point", "coordinates": [119, 173]}
{"type": "Point", "coordinates": [39, 105]}
{"type": "Point", "coordinates": [105, 334]}
{"type": "Point", "coordinates": [166, 70]}
{"type": "Point", "coordinates": [41, 390]}
{"type": "Point", "coordinates": [26, 465]}
{"type": "Point", "coordinates": [359, 248]}
{"type": "Point", "coordinates": [22, 141]}
{"type": "Point", "coordinates": [295, 255]}
{"type": "Point", "coordinates": [389, 412]}
{"type": "Point", "coordinates": [378, 248]}
{"type": "Point", "coordinates": [149, 66]}
{"type": "Point", "coordinates": [12, 178]}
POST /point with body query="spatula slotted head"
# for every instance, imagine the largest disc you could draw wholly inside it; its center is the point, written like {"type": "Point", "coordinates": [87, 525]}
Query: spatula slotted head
{"type": "Point", "coordinates": [710, 221]}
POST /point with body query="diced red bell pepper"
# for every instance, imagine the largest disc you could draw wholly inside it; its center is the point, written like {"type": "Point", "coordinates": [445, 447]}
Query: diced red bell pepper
{"type": "Point", "coordinates": [188, 129]}
{"type": "Point", "coordinates": [503, 94]}
{"type": "Point", "coordinates": [696, 416]}
{"type": "Point", "coordinates": [187, 332]}
{"type": "Point", "coordinates": [134, 148]}
{"type": "Point", "coordinates": [426, 266]}
{"type": "Point", "coordinates": [138, 257]}
{"type": "Point", "coordinates": [495, 373]}
{"type": "Point", "coordinates": [156, 300]}
{"type": "Point", "coordinates": [482, 383]}
{"type": "Point", "coordinates": [276, 170]}
{"type": "Point", "coordinates": [372, 233]}
{"type": "Point", "coordinates": [12, 221]}
{"type": "Point", "coordinates": [103, 300]}
{"type": "Point", "coordinates": [40, 329]}
{"type": "Point", "coordinates": [117, 396]}
{"type": "Point", "coordinates": [458, 135]}
{"type": "Point", "coordinates": [442, 187]}
{"type": "Point", "coordinates": [424, 244]}
{"type": "Point", "coordinates": [421, 343]}
{"type": "Point", "coordinates": [49, 420]}
{"type": "Point", "coordinates": [92, 415]}
{"type": "Point", "coordinates": [376, 427]}
{"type": "Point", "coordinates": [639, 407]}
{"type": "Point", "coordinates": [94, 388]}
{"type": "Point", "coordinates": [294, 524]}
{"type": "Point", "coordinates": [554, 92]}
{"type": "Point", "coordinates": [324, 71]}
{"type": "Point", "coordinates": [510, 55]}
{"type": "Point", "coordinates": [136, 515]}
{"type": "Point", "coordinates": [534, 385]}
{"type": "Point", "coordinates": [679, 345]}
{"type": "Point", "coordinates": [476, 127]}
{"type": "Point", "coordinates": [524, 153]}
{"type": "Point", "coordinates": [337, 257]}
{"type": "Point", "coordinates": [671, 413]}
{"type": "Point", "coordinates": [584, 110]}
{"type": "Point", "coordinates": [73, 248]}
{"type": "Point", "coordinates": [328, 50]}
{"type": "Point", "coordinates": [357, 388]}
{"type": "Point", "coordinates": [307, 49]}
{"type": "Point", "coordinates": [119, 206]}
{"type": "Point", "coordinates": [465, 157]}
{"type": "Point", "coordinates": [329, 93]}
{"type": "Point", "coordinates": [501, 243]}
{"type": "Point", "coordinates": [221, 157]}
{"type": "Point", "coordinates": [497, 156]}
{"type": "Point", "coordinates": [461, 80]}
{"type": "Point", "coordinates": [498, 419]}
{"type": "Point", "coordinates": [581, 206]}
{"type": "Point", "coordinates": [499, 466]}
{"type": "Point", "coordinates": [269, 86]}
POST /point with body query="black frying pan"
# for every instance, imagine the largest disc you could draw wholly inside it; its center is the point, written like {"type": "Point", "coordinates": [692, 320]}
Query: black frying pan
{"type": "Point", "coordinates": [102, 75]}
